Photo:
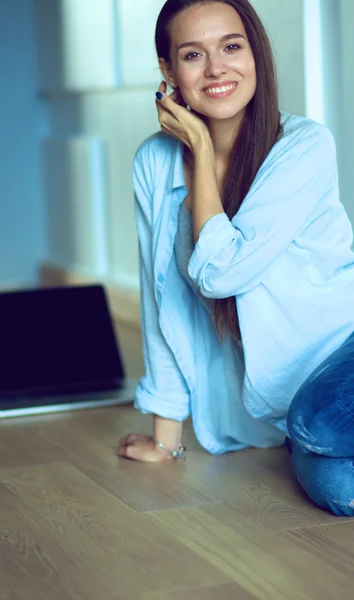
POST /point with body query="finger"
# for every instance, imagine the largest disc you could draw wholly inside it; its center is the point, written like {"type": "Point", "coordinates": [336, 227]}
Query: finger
{"type": "Point", "coordinates": [177, 97]}
{"type": "Point", "coordinates": [135, 452]}
{"type": "Point", "coordinates": [163, 87]}
{"type": "Point", "coordinates": [121, 451]}
{"type": "Point", "coordinates": [125, 440]}
{"type": "Point", "coordinates": [169, 105]}
{"type": "Point", "coordinates": [128, 452]}
{"type": "Point", "coordinates": [168, 121]}
{"type": "Point", "coordinates": [164, 117]}
{"type": "Point", "coordinates": [169, 132]}
{"type": "Point", "coordinates": [129, 439]}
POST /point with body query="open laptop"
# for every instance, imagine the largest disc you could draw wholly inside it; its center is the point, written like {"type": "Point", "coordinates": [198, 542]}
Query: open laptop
{"type": "Point", "coordinates": [58, 352]}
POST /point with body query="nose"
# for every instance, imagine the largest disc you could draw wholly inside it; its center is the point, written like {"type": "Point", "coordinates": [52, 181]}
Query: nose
{"type": "Point", "coordinates": [215, 67]}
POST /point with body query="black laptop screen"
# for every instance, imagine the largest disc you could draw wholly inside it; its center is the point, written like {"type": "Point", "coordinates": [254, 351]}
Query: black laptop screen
{"type": "Point", "coordinates": [56, 338]}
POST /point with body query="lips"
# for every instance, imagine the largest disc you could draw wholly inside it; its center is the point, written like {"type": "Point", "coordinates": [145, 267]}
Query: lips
{"type": "Point", "coordinates": [221, 84]}
{"type": "Point", "coordinates": [221, 91]}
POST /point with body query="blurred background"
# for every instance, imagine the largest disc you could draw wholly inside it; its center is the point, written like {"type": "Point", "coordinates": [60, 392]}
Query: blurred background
{"type": "Point", "coordinates": [77, 98]}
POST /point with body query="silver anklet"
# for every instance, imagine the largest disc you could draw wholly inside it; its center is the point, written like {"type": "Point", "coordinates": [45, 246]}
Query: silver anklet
{"type": "Point", "coordinates": [179, 453]}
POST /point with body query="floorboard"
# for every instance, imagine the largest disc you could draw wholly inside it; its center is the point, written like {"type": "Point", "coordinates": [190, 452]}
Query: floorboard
{"type": "Point", "coordinates": [78, 523]}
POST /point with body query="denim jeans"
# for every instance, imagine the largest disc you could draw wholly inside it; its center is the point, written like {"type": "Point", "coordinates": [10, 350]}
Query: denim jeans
{"type": "Point", "coordinates": [321, 428]}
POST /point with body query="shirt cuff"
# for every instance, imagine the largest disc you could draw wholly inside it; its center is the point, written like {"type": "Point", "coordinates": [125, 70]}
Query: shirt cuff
{"type": "Point", "coordinates": [176, 408]}
{"type": "Point", "coordinates": [217, 232]}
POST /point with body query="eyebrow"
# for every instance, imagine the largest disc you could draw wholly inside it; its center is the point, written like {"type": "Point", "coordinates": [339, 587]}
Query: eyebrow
{"type": "Point", "coordinates": [228, 36]}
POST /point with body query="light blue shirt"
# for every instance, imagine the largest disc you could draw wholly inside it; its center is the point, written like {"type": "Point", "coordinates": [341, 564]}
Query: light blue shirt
{"type": "Point", "coordinates": [286, 258]}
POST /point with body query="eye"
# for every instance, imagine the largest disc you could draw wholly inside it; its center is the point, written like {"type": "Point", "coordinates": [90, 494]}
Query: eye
{"type": "Point", "coordinates": [190, 56]}
{"type": "Point", "coordinates": [233, 47]}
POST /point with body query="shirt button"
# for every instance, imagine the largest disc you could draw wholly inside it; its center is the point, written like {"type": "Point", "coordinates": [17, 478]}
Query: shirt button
{"type": "Point", "coordinates": [161, 278]}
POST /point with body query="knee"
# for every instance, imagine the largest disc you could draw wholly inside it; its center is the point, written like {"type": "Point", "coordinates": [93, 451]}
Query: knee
{"type": "Point", "coordinates": [318, 417]}
{"type": "Point", "coordinates": [329, 482]}
{"type": "Point", "coordinates": [306, 422]}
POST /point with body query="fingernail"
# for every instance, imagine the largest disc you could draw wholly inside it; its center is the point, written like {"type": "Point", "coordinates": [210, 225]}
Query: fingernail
{"type": "Point", "coordinates": [159, 95]}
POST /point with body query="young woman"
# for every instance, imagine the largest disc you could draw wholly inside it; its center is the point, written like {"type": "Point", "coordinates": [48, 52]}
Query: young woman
{"type": "Point", "coordinates": [247, 273]}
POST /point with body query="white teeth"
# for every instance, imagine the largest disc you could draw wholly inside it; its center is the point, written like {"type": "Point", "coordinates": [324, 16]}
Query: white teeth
{"type": "Point", "coordinates": [220, 90]}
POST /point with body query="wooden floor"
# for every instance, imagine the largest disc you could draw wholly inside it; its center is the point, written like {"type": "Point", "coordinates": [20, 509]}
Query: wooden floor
{"type": "Point", "coordinates": [77, 523]}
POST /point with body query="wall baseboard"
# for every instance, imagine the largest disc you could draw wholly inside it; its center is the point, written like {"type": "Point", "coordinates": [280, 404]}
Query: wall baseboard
{"type": "Point", "coordinates": [124, 304]}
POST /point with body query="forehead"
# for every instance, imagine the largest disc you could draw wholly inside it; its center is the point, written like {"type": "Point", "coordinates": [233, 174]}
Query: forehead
{"type": "Point", "coordinates": [205, 23]}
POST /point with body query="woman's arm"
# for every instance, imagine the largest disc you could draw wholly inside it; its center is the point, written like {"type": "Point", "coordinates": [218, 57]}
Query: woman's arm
{"type": "Point", "coordinates": [233, 257]}
{"type": "Point", "coordinates": [205, 194]}
{"type": "Point", "coordinates": [168, 432]}
{"type": "Point", "coordinates": [162, 391]}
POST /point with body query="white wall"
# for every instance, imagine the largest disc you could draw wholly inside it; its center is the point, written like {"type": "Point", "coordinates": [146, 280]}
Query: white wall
{"type": "Point", "coordinates": [346, 104]}
{"type": "Point", "coordinates": [120, 119]}
{"type": "Point", "coordinates": [283, 20]}
{"type": "Point", "coordinates": [21, 209]}
{"type": "Point", "coordinates": [77, 40]}
{"type": "Point", "coordinates": [136, 41]}
{"type": "Point", "coordinates": [114, 108]}
{"type": "Point", "coordinates": [329, 76]}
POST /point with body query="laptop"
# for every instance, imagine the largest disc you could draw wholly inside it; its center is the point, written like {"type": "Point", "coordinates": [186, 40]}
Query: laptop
{"type": "Point", "coordinates": [59, 352]}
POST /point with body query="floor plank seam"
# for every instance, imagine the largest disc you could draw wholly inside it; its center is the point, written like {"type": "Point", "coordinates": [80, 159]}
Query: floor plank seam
{"type": "Point", "coordinates": [184, 507]}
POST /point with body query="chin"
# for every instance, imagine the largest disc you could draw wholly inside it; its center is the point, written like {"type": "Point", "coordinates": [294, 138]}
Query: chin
{"type": "Point", "coordinates": [222, 113]}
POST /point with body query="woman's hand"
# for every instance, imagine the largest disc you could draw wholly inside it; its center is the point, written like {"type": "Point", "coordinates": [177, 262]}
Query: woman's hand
{"type": "Point", "coordinates": [138, 446]}
{"type": "Point", "coordinates": [178, 121]}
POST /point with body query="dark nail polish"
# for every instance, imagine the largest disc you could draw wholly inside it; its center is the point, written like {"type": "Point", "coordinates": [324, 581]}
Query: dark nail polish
{"type": "Point", "coordinates": [158, 95]}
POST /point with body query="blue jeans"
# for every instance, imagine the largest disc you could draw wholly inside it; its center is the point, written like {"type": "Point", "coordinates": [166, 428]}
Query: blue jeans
{"type": "Point", "coordinates": [321, 428]}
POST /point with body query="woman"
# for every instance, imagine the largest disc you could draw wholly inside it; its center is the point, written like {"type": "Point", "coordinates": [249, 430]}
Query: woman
{"type": "Point", "coordinates": [247, 276]}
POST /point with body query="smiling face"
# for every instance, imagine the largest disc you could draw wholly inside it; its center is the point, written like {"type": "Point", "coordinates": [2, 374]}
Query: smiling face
{"type": "Point", "coordinates": [211, 61]}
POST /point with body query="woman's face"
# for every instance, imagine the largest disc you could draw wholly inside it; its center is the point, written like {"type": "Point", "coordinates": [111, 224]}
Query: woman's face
{"type": "Point", "coordinates": [211, 60]}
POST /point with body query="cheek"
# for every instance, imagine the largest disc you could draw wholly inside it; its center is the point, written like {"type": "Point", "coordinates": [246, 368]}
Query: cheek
{"type": "Point", "coordinates": [245, 65]}
{"type": "Point", "coordinates": [186, 79]}
{"type": "Point", "coordinates": [250, 69]}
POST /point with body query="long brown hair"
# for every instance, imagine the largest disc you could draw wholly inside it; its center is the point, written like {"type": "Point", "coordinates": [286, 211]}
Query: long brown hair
{"type": "Point", "coordinates": [260, 129]}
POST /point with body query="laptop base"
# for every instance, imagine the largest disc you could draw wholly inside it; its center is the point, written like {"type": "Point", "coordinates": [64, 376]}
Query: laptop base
{"type": "Point", "coordinates": [69, 403]}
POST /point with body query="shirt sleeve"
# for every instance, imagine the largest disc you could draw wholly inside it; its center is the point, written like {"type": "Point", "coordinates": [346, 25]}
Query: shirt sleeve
{"type": "Point", "coordinates": [162, 390]}
{"type": "Point", "coordinates": [232, 257]}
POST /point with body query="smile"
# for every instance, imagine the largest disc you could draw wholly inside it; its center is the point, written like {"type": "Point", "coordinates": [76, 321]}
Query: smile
{"type": "Point", "coordinates": [220, 92]}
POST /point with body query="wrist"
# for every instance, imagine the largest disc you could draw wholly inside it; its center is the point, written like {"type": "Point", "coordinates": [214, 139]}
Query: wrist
{"type": "Point", "coordinates": [177, 452]}
{"type": "Point", "coordinates": [168, 432]}
{"type": "Point", "coordinates": [204, 157]}
{"type": "Point", "coordinates": [202, 144]}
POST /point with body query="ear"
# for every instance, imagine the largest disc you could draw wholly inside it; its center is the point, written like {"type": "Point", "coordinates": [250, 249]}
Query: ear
{"type": "Point", "coordinates": [166, 71]}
